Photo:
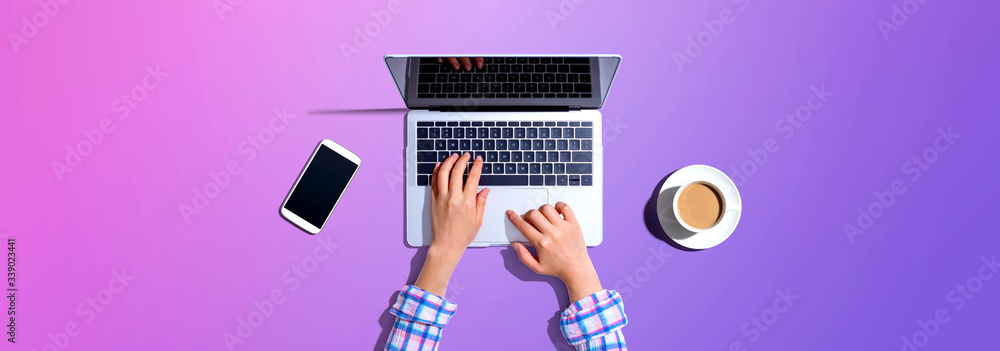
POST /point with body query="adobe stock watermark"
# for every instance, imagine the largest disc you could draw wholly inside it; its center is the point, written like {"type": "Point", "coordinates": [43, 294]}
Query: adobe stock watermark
{"type": "Point", "coordinates": [631, 283]}
{"type": "Point", "coordinates": [566, 8]}
{"type": "Point", "coordinates": [225, 6]}
{"type": "Point", "coordinates": [959, 297]}
{"type": "Point", "coordinates": [757, 325]}
{"type": "Point", "coordinates": [885, 199]}
{"type": "Point", "coordinates": [612, 128]}
{"type": "Point", "coordinates": [249, 148]}
{"type": "Point", "coordinates": [292, 278]}
{"type": "Point", "coordinates": [89, 310]}
{"type": "Point", "coordinates": [714, 28]}
{"type": "Point", "coordinates": [786, 126]}
{"type": "Point", "coordinates": [364, 34]}
{"type": "Point", "coordinates": [122, 107]}
{"type": "Point", "coordinates": [35, 22]}
{"type": "Point", "coordinates": [454, 289]}
{"type": "Point", "coordinates": [898, 17]}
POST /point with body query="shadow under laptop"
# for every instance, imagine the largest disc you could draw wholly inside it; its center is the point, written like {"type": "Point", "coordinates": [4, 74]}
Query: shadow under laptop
{"type": "Point", "coordinates": [651, 217]}
{"type": "Point", "coordinates": [386, 319]}
{"type": "Point", "coordinates": [357, 111]}
{"type": "Point", "coordinates": [513, 264]}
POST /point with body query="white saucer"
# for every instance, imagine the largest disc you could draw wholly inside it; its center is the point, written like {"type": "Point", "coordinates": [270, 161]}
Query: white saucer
{"type": "Point", "coordinates": [718, 234]}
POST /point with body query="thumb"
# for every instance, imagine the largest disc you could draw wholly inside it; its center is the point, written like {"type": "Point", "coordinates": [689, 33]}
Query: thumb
{"type": "Point", "coordinates": [527, 258]}
{"type": "Point", "coordinates": [481, 203]}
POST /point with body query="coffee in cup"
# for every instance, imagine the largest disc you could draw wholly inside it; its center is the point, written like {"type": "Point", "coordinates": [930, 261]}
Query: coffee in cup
{"type": "Point", "coordinates": [699, 206]}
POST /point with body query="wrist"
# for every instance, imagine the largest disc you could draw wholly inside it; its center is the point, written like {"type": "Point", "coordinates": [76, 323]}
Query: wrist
{"type": "Point", "coordinates": [438, 266]}
{"type": "Point", "coordinates": [445, 254]}
{"type": "Point", "coordinates": [582, 284]}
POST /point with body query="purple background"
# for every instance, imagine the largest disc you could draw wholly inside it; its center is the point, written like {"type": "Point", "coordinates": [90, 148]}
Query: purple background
{"type": "Point", "coordinates": [195, 277]}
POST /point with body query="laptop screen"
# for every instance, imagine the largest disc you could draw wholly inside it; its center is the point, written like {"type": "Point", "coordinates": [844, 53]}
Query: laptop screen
{"type": "Point", "coordinates": [522, 82]}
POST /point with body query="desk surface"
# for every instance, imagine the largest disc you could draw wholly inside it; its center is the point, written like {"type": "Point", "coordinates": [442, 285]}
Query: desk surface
{"type": "Point", "coordinates": [860, 159]}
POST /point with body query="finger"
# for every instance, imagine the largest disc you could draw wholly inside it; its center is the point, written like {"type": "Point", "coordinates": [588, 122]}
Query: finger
{"type": "Point", "coordinates": [567, 212]}
{"type": "Point", "coordinates": [434, 187]}
{"type": "Point", "coordinates": [454, 62]}
{"type": "Point", "coordinates": [456, 173]}
{"type": "Point", "coordinates": [442, 174]}
{"type": "Point", "coordinates": [440, 60]}
{"type": "Point", "coordinates": [481, 204]}
{"type": "Point", "coordinates": [525, 228]}
{"type": "Point", "coordinates": [479, 62]}
{"type": "Point", "coordinates": [529, 260]}
{"type": "Point", "coordinates": [466, 62]}
{"type": "Point", "coordinates": [472, 184]}
{"type": "Point", "coordinates": [550, 213]}
{"type": "Point", "coordinates": [538, 220]}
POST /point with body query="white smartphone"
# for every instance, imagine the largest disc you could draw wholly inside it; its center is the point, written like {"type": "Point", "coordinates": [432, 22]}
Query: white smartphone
{"type": "Point", "coordinates": [320, 185]}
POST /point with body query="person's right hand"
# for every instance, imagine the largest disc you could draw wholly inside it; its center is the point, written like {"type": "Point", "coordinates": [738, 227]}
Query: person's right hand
{"type": "Point", "coordinates": [562, 251]}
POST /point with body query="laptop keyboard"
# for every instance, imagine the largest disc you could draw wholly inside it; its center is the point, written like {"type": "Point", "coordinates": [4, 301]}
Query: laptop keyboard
{"type": "Point", "coordinates": [514, 153]}
{"type": "Point", "coordinates": [507, 77]}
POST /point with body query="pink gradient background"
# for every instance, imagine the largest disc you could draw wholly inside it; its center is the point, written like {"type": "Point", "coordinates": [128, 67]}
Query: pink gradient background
{"type": "Point", "coordinates": [119, 208]}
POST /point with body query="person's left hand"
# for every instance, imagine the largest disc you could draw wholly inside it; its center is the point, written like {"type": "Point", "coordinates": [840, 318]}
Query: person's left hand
{"type": "Point", "coordinates": [456, 212]}
{"type": "Point", "coordinates": [456, 215]}
{"type": "Point", "coordinates": [463, 62]}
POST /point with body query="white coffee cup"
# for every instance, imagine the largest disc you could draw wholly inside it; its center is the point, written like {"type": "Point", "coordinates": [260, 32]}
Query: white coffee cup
{"type": "Point", "coordinates": [720, 195]}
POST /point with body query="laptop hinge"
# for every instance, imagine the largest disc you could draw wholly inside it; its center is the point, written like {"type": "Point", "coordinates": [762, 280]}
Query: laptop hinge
{"type": "Point", "coordinates": [501, 108]}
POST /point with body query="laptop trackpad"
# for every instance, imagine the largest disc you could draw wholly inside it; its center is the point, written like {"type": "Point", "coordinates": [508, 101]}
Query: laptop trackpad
{"type": "Point", "coordinates": [497, 229]}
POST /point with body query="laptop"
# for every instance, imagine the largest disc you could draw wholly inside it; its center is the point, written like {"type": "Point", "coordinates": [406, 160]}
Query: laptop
{"type": "Point", "coordinates": [533, 118]}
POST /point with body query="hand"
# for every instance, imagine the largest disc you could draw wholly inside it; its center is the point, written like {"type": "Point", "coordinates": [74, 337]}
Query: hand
{"type": "Point", "coordinates": [456, 216]}
{"type": "Point", "coordinates": [463, 62]}
{"type": "Point", "coordinates": [456, 213]}
{"type": "Point", "coordinates": [562, 252]}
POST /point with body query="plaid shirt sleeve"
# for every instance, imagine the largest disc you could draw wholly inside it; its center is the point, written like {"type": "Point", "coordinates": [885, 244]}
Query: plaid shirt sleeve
{"type": "Point", "coordinates": [595, 322]}
{"type": "Point", "coordinates": [420, 318]}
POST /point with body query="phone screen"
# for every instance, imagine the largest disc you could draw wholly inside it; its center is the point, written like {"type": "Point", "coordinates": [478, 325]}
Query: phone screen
{"type": "Point", "coordinates": [322, 183]}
